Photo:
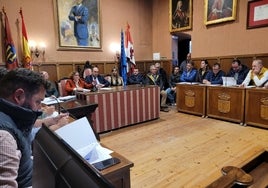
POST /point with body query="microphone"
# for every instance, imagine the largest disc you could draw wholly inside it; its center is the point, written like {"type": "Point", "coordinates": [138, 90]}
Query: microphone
{"type": "Point", "coordinates": [58, 103]}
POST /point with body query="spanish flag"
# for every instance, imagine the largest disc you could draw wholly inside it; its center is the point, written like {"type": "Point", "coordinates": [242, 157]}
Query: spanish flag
{"type": "Point", "coordinates": [26, 59]}
{"type": "Point", "coordinates": [11, 57]}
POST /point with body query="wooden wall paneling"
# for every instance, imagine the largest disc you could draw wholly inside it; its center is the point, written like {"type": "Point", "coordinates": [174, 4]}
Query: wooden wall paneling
{"type": "Point", "coordinates": [141, 67]}
{"type": "Point", "coordinates": [64, 70]}
{"type": "Point", "coordinates": [246, 61]}
{"type": "Point", "coordinates": [264, 59]}
{"type": "Point", "coordinates": [109, 67]}
{"type": "Point", "coordinates": [226, 64]}
{"type": "Point", "coordinates": [50, 69]}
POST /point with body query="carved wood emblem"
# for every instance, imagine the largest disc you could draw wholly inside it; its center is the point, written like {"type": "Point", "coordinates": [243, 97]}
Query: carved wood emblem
{"type": "Point", "coordinates": [264, 108]}
{"type": "Point", "coordinates": [224, 103]}
{"type": "Point", "coordinates": [189, 98]}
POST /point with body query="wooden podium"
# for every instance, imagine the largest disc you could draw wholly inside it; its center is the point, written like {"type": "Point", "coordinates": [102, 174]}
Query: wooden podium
{"type": "Point", "coordinates": [119, 174]}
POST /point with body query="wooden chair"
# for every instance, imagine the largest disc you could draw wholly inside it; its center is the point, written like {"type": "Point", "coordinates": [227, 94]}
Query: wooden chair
{"type": "Point", "coordinates": [61, 87]}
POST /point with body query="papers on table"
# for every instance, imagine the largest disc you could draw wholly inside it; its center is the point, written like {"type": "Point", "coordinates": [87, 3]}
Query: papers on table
{"type": "Point", "coordinates": [106, 88]}
{"type": "Point", "coordinates": [66, 98]}
{"type": "Point", "coordinates": [80, 136]}
{"type": "Point", "coordinates": [228, 81]}
{"type": "Point", "coordinates": [54, 100]}
{"type": "Point", "coordinates": [51, 100]}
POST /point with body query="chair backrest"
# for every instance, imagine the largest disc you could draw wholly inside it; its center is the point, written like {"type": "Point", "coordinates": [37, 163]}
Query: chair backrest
{"type": "Point", "coordinates": [61, 87]}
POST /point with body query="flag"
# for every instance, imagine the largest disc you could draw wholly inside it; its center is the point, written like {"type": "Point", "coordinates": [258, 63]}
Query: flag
{"type": "Point", "coordinates": [129, 50]}
{"type": "Point", "coordinates": [11, 57]}
{"type": "Point", "coordinates": [26, 59]}
{"type": "Point", "coordinates": [123, 60]}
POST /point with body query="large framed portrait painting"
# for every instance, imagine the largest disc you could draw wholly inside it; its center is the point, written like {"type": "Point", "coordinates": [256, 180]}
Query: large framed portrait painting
{"type": "Point", "coordinates": [180, 15]}
{"type": "Point", "coordinates": [217, 11]}
{"type": "Point", "coordinates": [78, 24]}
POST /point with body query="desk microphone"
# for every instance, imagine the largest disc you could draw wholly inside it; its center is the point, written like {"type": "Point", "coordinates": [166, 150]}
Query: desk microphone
{"type": "Point", "coordinates": [58, 103]}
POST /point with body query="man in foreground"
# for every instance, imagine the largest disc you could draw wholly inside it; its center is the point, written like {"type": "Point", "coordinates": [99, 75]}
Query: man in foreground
{"type": "Point", "coordinates": [21, 93]}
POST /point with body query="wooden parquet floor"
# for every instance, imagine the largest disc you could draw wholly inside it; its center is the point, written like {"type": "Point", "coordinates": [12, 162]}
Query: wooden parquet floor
{"type": "Point", "coordinates": [181, 150]}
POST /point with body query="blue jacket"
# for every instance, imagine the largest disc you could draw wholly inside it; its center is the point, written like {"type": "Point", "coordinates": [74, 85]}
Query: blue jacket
{"type": "Point", "coordinates": [215, 79]}
{"type": "Point", "coordinates": [189, 77]}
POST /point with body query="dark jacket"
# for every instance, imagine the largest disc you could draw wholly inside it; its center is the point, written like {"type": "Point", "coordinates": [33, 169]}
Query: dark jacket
{"type": "Point", "coordinates": [242, 74]}
{"type": "Point", "coordinates": [174, 78]}
{"type": "Point", "coordinates": [149, 80]}
{"type": "Point", "coordinates": [200, 76]}
{"type": "Point", "coordinates": [135, 79]}
{"type": "Point", "coordinates": [215, 79]}
{"type": "Point", "coordinates": [18, 121]}
{"type": "Point", "coordinates": [89, 79]}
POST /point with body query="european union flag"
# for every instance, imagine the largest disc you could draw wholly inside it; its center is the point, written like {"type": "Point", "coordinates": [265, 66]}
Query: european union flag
{"type": "Point", "coordinates": [123, 62]}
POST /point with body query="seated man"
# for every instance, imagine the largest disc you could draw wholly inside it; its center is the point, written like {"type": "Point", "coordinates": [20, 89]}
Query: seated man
{"type": "Point", "coordinates": [52, 90]}
{"type": "Point", "coordinates": [214, 76]}
{"type": "Point", "coordinates": [153, 78]}
{"type": "Point", "coordinates": [21, 93]}
{"type": "Point", "coordinates": [171, 91]}
{"type": "Point", "coordinates": [189, 75]}
{"type": "Point", "coordinates": [238, 71]}
{"type": "Point", "coordinates": [135, 78]}
{"type": "Point", "coordinates": [257, 76]}
{"type": "Point", "coordinates": [97, 80]}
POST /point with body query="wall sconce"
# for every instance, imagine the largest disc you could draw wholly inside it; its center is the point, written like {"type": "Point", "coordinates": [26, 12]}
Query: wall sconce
{"type": "Point", "coordinates": [115, 47]}
{"type": "Point", "coordinates": [117, 55]}
{"type": "Point", "coordinates": [37, 50]}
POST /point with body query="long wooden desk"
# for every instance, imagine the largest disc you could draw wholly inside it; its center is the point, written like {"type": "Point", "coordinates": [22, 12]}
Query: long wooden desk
{"type": "Point", "coordinates": [226, 103]}
{"type": "Point", "coordinates": [256, 111]}
{"type": "Point", "coordinates": [123, 106]}
{"type": "Point", "coordinates": [191, 99]}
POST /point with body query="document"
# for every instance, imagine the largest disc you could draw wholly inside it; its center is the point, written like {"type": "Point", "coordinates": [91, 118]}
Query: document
{"type": "Point", "coordinates": [51, 100]}
{"type": "Point", "coordinates": [228, 81]}
{"type": "Point", "coordinates": [54, 100]}
{"type": "Point", "coordinates": [80, 136]}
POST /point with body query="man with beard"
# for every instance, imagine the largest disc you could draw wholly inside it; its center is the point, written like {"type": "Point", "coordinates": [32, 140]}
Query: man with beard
{"type": "Point", "coordinates": [21, 93]}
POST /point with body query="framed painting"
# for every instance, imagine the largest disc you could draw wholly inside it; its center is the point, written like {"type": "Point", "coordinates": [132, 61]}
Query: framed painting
{"type": "Point", "coordinates": [217, 11]}
{"type": "Point", "coordinates": [257, 15]}
{"type": "Point", "coordinates": [180, 15]}
{"type": "Point", "coordinates": [78, 24]}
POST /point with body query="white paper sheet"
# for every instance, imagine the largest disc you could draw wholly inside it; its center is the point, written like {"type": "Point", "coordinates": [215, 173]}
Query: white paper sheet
{"type": "Point", "coordinates": [80, 136]}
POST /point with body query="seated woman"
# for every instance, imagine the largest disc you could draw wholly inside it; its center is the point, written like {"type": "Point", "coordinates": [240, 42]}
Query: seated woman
{"type": "Point", "coordinates": [115, 79]}
{"type": "Point", "coordinates": [75, 83]}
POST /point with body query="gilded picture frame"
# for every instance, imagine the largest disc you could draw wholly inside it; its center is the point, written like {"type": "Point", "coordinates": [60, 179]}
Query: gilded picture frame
{"type": "Point", "coordinates": [180, 15]}
{"type": "Point", "coordinates": [218, 11]}
{"type": "Point", "coordinates": [78, 25]}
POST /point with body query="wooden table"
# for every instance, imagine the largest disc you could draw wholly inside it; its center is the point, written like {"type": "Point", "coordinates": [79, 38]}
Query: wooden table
{"type": "Point", "coordinates": [123, 106]}
{"type": "Point", "coordinates": [226, 103]}
{"type": "Point", "coordinates": [191, 99]}
{"type": "Point", "coordinates": [256, 112]}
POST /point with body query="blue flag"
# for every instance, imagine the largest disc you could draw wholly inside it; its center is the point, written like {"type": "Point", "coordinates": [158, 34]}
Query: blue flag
{"type": "Point", "coordinates": [123, 62]}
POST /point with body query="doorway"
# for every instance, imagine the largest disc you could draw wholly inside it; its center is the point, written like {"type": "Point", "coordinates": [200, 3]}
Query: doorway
{"type": "Point", "coordinates": [181, 46]}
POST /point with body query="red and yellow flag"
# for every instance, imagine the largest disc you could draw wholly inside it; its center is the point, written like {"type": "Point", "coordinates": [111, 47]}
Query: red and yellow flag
{"type": "Point", "coordinates": [11, 57]}
{"type": "Point", "coordinates": [26, 59]}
